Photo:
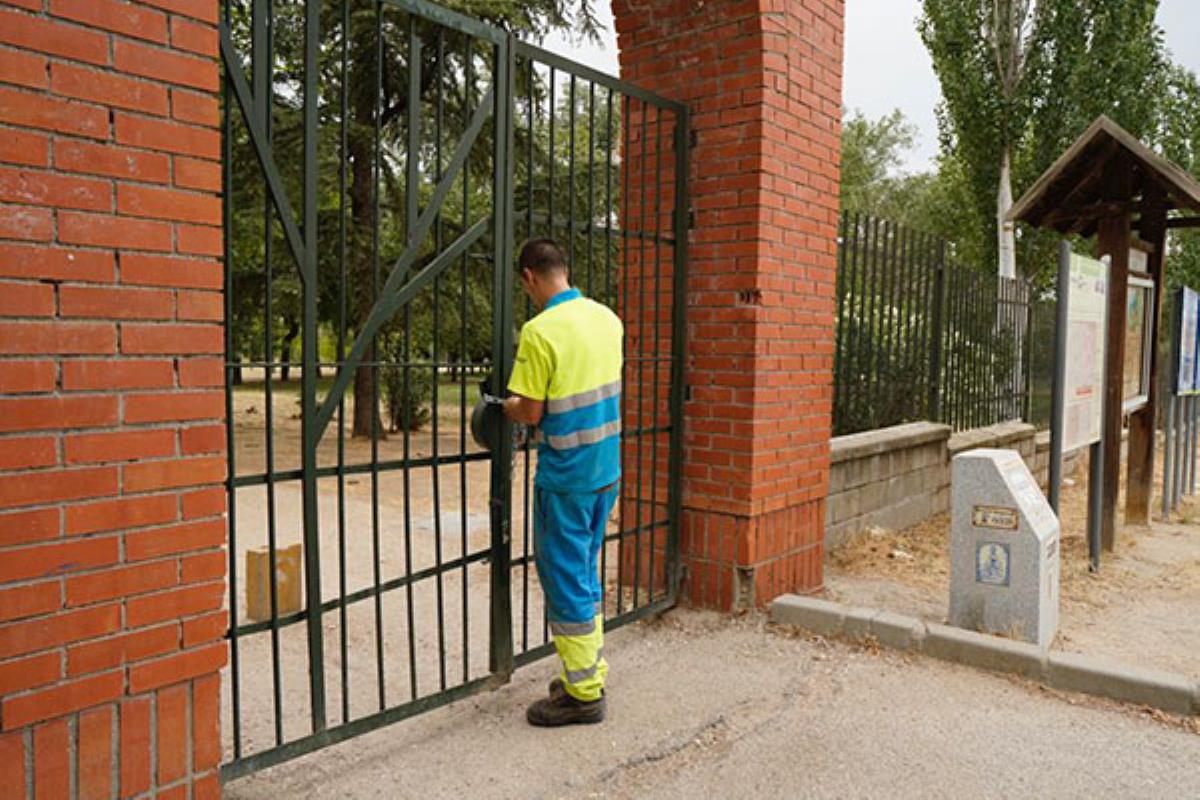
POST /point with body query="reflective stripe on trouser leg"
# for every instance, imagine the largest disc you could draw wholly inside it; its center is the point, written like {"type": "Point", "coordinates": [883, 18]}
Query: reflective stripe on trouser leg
{"type": "Point", "coordinates": [568, 534]}
{"type": "Point", "coordinates": [584, 668]}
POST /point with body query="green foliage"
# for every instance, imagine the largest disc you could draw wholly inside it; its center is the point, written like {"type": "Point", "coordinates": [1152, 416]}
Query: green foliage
{"type": "Point", "coordinates": [363, 208]}
{"type": "Point", "coordinates": [1079, 59]}
{"type": "Point", "coordinates": [871, 154]}
{"type": "Point", "coordinates": [1180, 136]}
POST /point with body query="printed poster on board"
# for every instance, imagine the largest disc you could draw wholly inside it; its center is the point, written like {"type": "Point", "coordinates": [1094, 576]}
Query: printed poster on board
{"type": "Point", "coordinates": [1189, 329]}
{"type": "Point", "coordinates": [1083, 394]}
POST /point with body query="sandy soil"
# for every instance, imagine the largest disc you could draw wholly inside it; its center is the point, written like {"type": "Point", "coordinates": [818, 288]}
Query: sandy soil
{"type": "Point", "coordinates": [1142, 607]}
{"type": "Point", "coordinates": [411, 643]}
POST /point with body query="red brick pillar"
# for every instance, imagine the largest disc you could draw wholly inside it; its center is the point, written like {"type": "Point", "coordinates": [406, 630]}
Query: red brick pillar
{"type": "Point", "coordinates": [763, 83]}
{"type": "Point", "coordinates": [111, 439]}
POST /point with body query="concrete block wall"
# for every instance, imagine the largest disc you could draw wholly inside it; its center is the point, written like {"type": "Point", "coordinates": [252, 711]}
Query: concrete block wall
{"type": "Point", "coordinates": [900, 476]}
{"type": "Point", "coordinates": [112, 445]}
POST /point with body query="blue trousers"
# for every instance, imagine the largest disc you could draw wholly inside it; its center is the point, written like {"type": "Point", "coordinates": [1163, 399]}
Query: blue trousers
{"type": "Point", "coordinates": [568, 535]}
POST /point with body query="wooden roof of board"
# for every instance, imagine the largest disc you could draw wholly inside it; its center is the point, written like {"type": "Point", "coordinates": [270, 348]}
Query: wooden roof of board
{"type": "Point", "coordinates": [1077, 191]}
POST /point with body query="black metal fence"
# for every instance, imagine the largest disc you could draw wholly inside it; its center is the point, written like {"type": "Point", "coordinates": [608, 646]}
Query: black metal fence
{"type": "Point", "coordinates": [383, 158]}
{"type": "Point", "coordinates": [921, 336]}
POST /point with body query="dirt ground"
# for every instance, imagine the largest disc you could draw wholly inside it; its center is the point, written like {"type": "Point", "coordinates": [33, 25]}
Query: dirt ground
{"type": "Point", "coordinates": [1143, 607]}
{"type": "Point", "coordinates": [411, 643]}
{"type": "Point", "coordinates": [704, 705]}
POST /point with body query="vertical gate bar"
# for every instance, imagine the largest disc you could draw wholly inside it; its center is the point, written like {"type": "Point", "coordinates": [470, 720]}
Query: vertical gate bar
{"type": "Point", "coordinates": [376, 356]}
{"type": "Point", "coordinates": [609, 133]}
{"type": "Point", "coordinates": [625, 192]}
{"type": "Point", "coordinates": [896, 310]}
{"type": "Point", "coordinates": [998, 312]}
{"type": "Point", "coordinates": [571, 174]}
{"type": "Point", "coordinates": [986, 314]}
{"type": "Point", "coordinates": [896, 315]}
{"type": "Point", "coordinates": [412, 188]}
{"type": "Point", "coordinates": [501, 650]}
{"type": "Point", "coordinates": [937, 333]}
{"type": "Point", "coordinates": [526, 522]}
{"type": "Point", "coordinates": [1011, 372]}
{"type": "Point", "coordinates": [657, 343]}
{"type": "Point", "coordinates": [591, 202]}
{"type": "Point", "coordinates": [1011, 381]}
{"type": "Point", "coordinates": [921, 343]}
{"type": "Point", "coordinates": [641, 347]}
{"type": "Point", "coordinates": [262, 57]}
{"type": "Point", "coordinates": [949, 369]}
{"type": "Point", "coordinates": [870, 284]}
{"type": "Point", "coordinates": [914, 293]}
{"type": "Point", "coordinates": [925, 338]}
{"type": "Point", "coordinates": [1192, 445]}
{"type": "Point", "coordinates": [308, 377]}
{"type": "Point", "coordinates": [966, 379]}
{"type": "Point", "coordinates": [849, 404]}
{"type": "Point", "coordinates": [551, 158]}
{"type": "Point", "coordinates": [981, 319]}
{"type": "Point", "coordinates": [468, 77]}
{"type": "Point", "coordinates": [992, 316]}
{"type": "Point", "coordinates": [343, 160]}
{"type": "Point", "coordinates": [1029, 322]}
{"type": "Point", "coordinates": [436, 369]}
{"type": "Point", "coordinates": [610, 301]}
{"type": "Point", "coordinates": [1009, 378]}
{"type": "Point", "coordinates": [904, 280]}
{"type": "Point", "coordinates": [976, 289]}
{"type": "Point", "coordinates": [839, 327]}
{"type": "Point", "coordinates": [230, 368]}
{"type": "Point", "coordinates": [887, 289]}
{"type": "Point", "coordinates": [678, 348]}
{"type": "Point", "coordinates": [961, 378]}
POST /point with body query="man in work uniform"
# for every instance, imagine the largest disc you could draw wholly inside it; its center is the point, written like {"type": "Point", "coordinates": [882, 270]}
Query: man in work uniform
{"type": "Point", "coordinates": [567, 381]}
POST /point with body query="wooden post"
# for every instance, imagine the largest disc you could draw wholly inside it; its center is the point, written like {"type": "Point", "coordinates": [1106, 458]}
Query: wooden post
{"type": "Point", "coordinates": [1140, 479]}
{"type": "Point", "coordinates": [1113, 241]}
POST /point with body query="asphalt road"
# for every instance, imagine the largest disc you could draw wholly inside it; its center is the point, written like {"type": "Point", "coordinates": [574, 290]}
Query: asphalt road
{"type": "Point", "coordinates": [702, 706]}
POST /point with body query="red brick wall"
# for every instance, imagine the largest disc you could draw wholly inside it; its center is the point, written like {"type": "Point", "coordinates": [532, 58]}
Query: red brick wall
{"type": "Point", "coordinates": [763, 83]}
{"type": "Point", "coordinates": [111, 446]}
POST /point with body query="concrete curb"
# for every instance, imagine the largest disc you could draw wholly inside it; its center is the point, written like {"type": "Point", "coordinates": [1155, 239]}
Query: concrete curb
{"type": "Point", "coordinates": [1175, 694]}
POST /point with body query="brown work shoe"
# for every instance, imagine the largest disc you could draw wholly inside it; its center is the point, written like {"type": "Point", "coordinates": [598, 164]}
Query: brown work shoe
{"type": "Point", "coordinates": [563, 709]}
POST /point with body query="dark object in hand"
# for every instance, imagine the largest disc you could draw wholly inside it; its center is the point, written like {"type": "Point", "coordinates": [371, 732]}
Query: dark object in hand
{"type": "Point", "coordinates": [487, 421]}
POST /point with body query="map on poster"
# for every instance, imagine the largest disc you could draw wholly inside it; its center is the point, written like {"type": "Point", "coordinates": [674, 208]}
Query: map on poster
{"type": "Point", "coordinates": [1086, 316]}
{"type": "Point", "coordinates": [1189, 331]}
{"type": "Point", "coordinates": [1139, 304]}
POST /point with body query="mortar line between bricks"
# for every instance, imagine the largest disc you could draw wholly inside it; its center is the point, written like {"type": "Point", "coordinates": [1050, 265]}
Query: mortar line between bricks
{"type": "Point", "coordinates": [73, 755]}
{"type": "Point", "coordinates": [114, 750]}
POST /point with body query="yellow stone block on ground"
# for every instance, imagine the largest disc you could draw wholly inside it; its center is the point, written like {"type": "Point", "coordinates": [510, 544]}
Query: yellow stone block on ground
{"type": "Point", "coordinates": [287, 581]}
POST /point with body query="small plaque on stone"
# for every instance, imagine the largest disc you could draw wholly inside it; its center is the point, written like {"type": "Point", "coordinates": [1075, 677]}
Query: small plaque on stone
{"type": "Point", "coordinates": [1004, 549]}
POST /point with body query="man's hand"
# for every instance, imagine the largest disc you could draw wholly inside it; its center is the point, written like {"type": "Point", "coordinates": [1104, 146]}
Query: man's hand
{"type": "Point", "coordinates": [523, 410]}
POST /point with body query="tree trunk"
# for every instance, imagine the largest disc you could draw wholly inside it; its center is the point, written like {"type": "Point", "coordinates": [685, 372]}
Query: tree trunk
{"type": "Point", "coordinates": [361, 146]}
{"type": "Point", "coordinates": [285, 349]}
{"type": "Point", "coordinates": [1005, 229]}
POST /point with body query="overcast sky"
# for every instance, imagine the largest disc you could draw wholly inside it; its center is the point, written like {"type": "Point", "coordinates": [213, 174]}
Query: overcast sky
{"type": "Point", "coordinates": [886, 64]}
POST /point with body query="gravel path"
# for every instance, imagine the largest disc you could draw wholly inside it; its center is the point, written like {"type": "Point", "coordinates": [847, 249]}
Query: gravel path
{"type": "Point", "coordinates": [703, 705]}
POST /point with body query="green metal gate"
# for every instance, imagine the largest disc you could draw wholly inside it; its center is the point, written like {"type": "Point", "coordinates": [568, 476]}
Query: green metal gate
{"type": "Point", "coordinates": [382, 160]}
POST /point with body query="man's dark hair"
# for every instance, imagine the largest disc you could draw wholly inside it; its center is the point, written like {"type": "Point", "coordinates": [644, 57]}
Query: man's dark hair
{"type": "Point", "coordinates": [542, 256]}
